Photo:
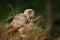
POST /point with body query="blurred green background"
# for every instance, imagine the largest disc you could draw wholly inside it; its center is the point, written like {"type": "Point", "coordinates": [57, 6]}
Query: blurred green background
{"type": "Point", "coordinates": [12, 7]}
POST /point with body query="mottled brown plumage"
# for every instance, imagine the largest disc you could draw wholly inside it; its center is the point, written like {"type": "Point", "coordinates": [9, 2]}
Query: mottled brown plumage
{"type": "Point", "coordinates": [20, 20]}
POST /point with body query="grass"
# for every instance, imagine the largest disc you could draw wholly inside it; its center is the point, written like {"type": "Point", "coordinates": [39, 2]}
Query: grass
{"type": "Point", "coordinates": [31, 32]}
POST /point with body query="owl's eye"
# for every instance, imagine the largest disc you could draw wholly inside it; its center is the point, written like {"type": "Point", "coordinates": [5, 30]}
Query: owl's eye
{"type": "Point", "coordinates": [30, 12]}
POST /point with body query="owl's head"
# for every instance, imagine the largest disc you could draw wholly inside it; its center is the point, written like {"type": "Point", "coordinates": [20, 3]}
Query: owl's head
{"type": "Point", "coordinates": [29, 12]}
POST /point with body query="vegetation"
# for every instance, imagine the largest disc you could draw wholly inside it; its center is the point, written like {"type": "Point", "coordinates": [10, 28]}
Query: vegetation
{"type": "Point", "coordinates": [47, 15]}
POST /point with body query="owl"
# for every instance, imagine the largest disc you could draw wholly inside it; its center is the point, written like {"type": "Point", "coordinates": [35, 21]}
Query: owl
{"type": "Point", "coordinates": [20, 20]}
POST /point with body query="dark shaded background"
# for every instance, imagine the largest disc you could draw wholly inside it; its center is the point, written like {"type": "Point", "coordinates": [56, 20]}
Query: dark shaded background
{"type": "Point", "coordinates": [38, 5]}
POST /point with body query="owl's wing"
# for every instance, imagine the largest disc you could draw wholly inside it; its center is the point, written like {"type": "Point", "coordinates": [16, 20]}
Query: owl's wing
{"type": "Point", "coordinates": [18, 21]}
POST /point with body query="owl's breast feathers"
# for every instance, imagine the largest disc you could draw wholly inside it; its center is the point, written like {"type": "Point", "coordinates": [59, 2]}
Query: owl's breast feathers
{"type": "Point", "coordinates": [19, 20]}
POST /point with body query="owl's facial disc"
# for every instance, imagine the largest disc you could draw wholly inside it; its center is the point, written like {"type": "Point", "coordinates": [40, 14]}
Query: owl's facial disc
{"type": "Point", "coordinates": [29, 12]}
